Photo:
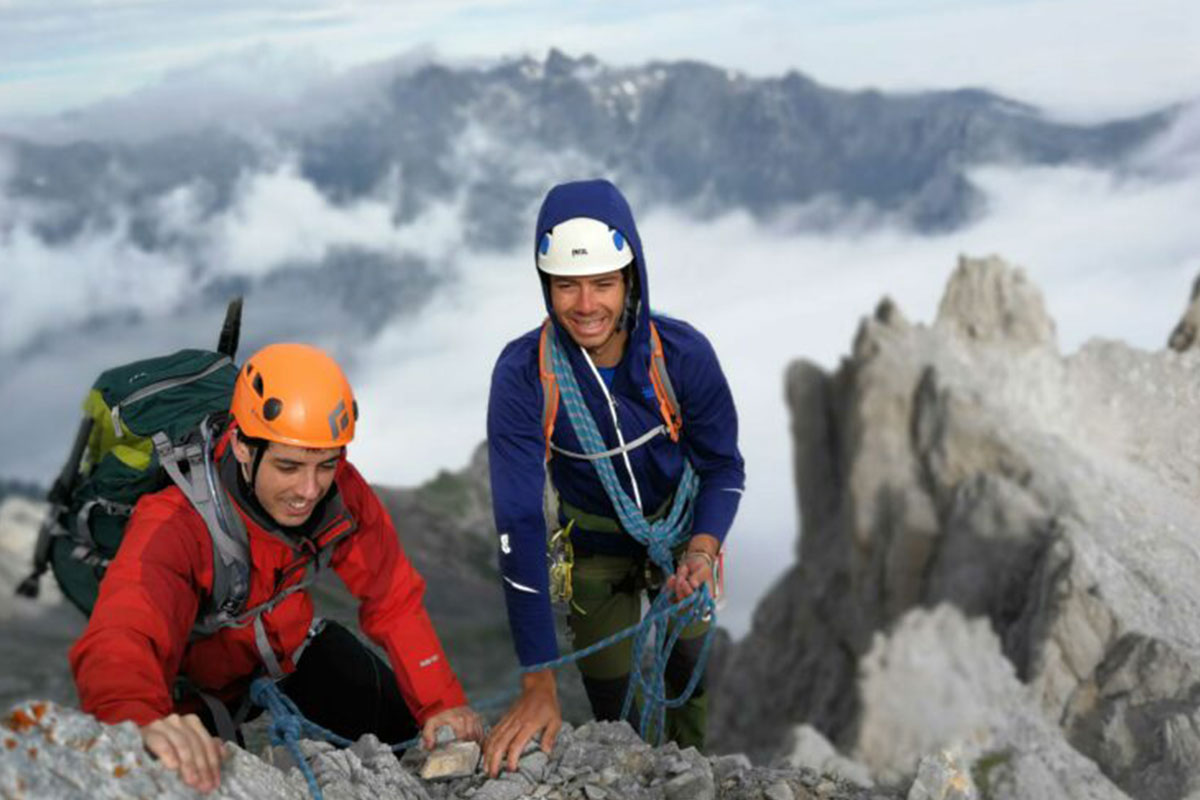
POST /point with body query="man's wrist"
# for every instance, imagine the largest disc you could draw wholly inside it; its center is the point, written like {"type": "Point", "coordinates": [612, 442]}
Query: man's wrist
{"type": "Point", "coordinates": [704, 543]}
{"type": "Point", "coordinates": [542, 680]}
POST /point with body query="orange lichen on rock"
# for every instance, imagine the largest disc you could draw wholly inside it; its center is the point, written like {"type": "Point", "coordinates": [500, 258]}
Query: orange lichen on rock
{"type": "Point", "coordinates": [19, 721]}
{"type": "Point", "coordinates": [39, 711]}
{"type": "Point", "coordinates": [11, 744]}
{"type": "Point", "coordinates": [120, 771]}
{"type": "Point", "coordinates": [33, 752]}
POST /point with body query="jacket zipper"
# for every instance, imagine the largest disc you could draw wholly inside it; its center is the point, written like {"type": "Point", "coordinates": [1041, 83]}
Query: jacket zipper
{"type": "Point", "coordinates": [612, 409]}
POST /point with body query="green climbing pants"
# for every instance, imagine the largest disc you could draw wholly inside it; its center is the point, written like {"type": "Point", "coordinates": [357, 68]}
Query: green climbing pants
{"type": "Point", "coordinates": [607, 597]}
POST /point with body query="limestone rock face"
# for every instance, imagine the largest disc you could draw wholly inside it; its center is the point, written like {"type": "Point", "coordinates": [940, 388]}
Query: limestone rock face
{"type": "Point", "coordinates": [20, 518]}
{"type": "Point", "coordinates": [987, 301]}
{"type": "Point", "coordinates": [812, 750]}
{"type": "Point", "coordinates": [943, 777]}
{"type": "Point", "coordinates": [969, 463]}
{"type": "Point", "coordinates": [981, 728]}
{"type": "Point", "coordinates": [34, 635]}
{"type": "Point", "coordinates": [53, 751]}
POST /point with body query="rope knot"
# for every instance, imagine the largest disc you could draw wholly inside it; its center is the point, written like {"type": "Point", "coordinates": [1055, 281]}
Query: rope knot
{"type": "Point", "coordinates": [286, 729]}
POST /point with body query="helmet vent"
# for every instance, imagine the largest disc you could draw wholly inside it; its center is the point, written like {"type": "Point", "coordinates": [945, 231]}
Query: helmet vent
{"type": "Point", "coordinates": [356, 411]}
{"type": "Point", "coordinates": [258, 385]}
{"type": "Point", "coordinates": [272, 408]}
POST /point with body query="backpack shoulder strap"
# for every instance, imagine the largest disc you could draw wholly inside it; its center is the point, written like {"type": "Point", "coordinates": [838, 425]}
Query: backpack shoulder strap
{"type": "Point", "coordinates": [317, 557]}
{"type": "Point", "coordinates": [549, 384]}
{"type": "Point", "coordinates": [230, 541]}
{"type": "Point", "coordinates": [668, 404]}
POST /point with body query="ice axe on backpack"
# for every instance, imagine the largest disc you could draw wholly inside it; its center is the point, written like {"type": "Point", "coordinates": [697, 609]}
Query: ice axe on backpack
{"type": "Point", "coordinates": [68, 480]}
{"type": "Point", "coordinates": [58, 496]}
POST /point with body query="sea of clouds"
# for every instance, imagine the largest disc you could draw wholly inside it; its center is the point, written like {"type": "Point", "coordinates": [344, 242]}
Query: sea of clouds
{"type": "Point", "coordinates": [1115, 254]}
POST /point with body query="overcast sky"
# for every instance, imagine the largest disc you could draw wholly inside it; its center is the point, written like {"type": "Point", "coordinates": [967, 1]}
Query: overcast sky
{"type": "Point", "coordinates": [1077, 58]}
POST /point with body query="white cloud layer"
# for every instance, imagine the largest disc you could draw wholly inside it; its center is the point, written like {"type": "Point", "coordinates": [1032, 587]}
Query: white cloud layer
{"type": "Point", "coordinates": [281, 217]}
{"type": "Point", "coordinates": [48, 288]}
{"type": "Point", "coordinates": [277, 219]}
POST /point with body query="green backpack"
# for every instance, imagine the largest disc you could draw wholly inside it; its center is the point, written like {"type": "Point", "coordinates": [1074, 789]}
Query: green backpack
{"type": "Point", "coordinates": [145, 425]}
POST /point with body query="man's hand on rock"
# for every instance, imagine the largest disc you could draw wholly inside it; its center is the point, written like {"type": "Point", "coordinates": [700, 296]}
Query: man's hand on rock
{"type": "Point", "coordinates": [462, 720]}
{"type": "Point", "coordinates": [182, 744]}
{"type": "Point", "coordinates": [536, 710]}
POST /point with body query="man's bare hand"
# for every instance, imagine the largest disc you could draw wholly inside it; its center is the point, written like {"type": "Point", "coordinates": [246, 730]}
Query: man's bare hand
{"type": "Point", "coordinates": [462, 720]}
{"type": "Point", "coordinates": [536, 710]}
{"type": "Point", "coordinates": [695, 567]}
{"type": "Point", "coordinates": [182, 744]}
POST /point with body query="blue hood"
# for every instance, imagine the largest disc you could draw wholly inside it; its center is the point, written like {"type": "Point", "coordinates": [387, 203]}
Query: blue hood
{"type": "Point", "coordinates": [599, 199]}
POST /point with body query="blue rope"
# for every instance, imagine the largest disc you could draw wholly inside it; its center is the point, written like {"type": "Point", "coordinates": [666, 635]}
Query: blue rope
{"type": "Point", "coordinates": [656, 630]}
{"type": "Point", "coordinates": [660, 539]}
{"type": "Point", "coordinates": [289, 725]}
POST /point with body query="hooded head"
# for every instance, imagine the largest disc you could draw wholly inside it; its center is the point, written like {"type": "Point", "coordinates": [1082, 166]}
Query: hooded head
{"type": "Point", "coordinates": [585, 229]}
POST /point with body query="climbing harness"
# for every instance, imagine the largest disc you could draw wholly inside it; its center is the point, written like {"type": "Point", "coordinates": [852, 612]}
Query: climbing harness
{"type": "Point", "coordinates": [660, 538]}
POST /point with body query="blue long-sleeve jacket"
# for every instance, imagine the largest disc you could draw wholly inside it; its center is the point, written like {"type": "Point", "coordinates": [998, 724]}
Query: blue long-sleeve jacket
{"type": "Point", "coordinates": [516, 446]}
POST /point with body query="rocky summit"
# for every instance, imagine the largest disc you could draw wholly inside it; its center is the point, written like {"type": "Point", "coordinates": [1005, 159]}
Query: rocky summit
{"type": "Point", "coordinates": [52, 751]}
{"type": "Point", "coordinates": [999, 553]}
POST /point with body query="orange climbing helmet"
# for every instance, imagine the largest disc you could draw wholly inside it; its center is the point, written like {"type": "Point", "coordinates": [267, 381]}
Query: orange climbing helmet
{"type": "Point", "coordinates": [294, 394]}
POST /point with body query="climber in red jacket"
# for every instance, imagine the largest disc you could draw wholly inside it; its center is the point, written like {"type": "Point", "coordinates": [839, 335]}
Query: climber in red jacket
{"type": "Point", "coordinates": [281, 465]}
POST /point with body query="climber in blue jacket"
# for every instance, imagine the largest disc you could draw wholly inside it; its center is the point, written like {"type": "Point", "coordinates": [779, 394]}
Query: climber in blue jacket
{"type": "Point", "coordinates": [593, 277]}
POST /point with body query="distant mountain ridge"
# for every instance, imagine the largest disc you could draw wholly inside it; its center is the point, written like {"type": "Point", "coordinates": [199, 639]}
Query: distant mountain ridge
{"type": "Point", "coordinates": [684, 133]}
{"type": "Point", "coordinates": [356, 206]}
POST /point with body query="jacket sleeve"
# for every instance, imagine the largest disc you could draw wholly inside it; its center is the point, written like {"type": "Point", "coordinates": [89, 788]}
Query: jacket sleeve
{"type": "Point", "coordinates": [392, 612]}
{"type": "Point", "coordinates": [128, 656]}
{"type": "Point", "coordinates": [710, 432]}
{"type": "Point", "coordinates": [516, 460]}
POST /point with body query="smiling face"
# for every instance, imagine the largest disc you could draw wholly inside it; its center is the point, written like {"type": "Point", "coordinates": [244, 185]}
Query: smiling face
{"type": "Point", "coordinates": [589, 308]}
{"type": "Point", "coordinates": [291, 480]}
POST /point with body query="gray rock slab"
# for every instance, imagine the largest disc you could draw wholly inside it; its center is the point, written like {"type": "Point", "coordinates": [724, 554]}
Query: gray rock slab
{"type": "Point", "coordinates": [693, 785]}
{"type": "Point", "coordinates": [943, 776]}
{"type": "Point", "coordinates": [533, 765]}
{"type": "Point", "coordinates": [453, 760]}
{"type": "Point", "coordinates": [811, 749]}
{"type": "Point", "coordinates": [779, 790]}
{"type": "Point", "coordinates": [729, 765]}
{"type": "Point", "coordinates": [499, 789]}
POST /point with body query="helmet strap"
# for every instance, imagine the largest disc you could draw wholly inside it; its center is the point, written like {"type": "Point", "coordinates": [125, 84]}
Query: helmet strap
{"type": "Point", "coordinates": [629, 312]}
{"type": "Point", "coordinates": [259, 452]}
{"type": "Point", "coordinates": [258, 448]}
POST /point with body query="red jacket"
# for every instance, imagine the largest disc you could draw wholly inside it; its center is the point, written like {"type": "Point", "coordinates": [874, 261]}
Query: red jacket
{"type": "Point", "coordinates": [136, 641]}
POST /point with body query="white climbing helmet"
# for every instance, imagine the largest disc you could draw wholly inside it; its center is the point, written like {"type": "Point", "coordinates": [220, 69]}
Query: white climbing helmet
{"type": "Point", "coordinates": [582, 246]}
